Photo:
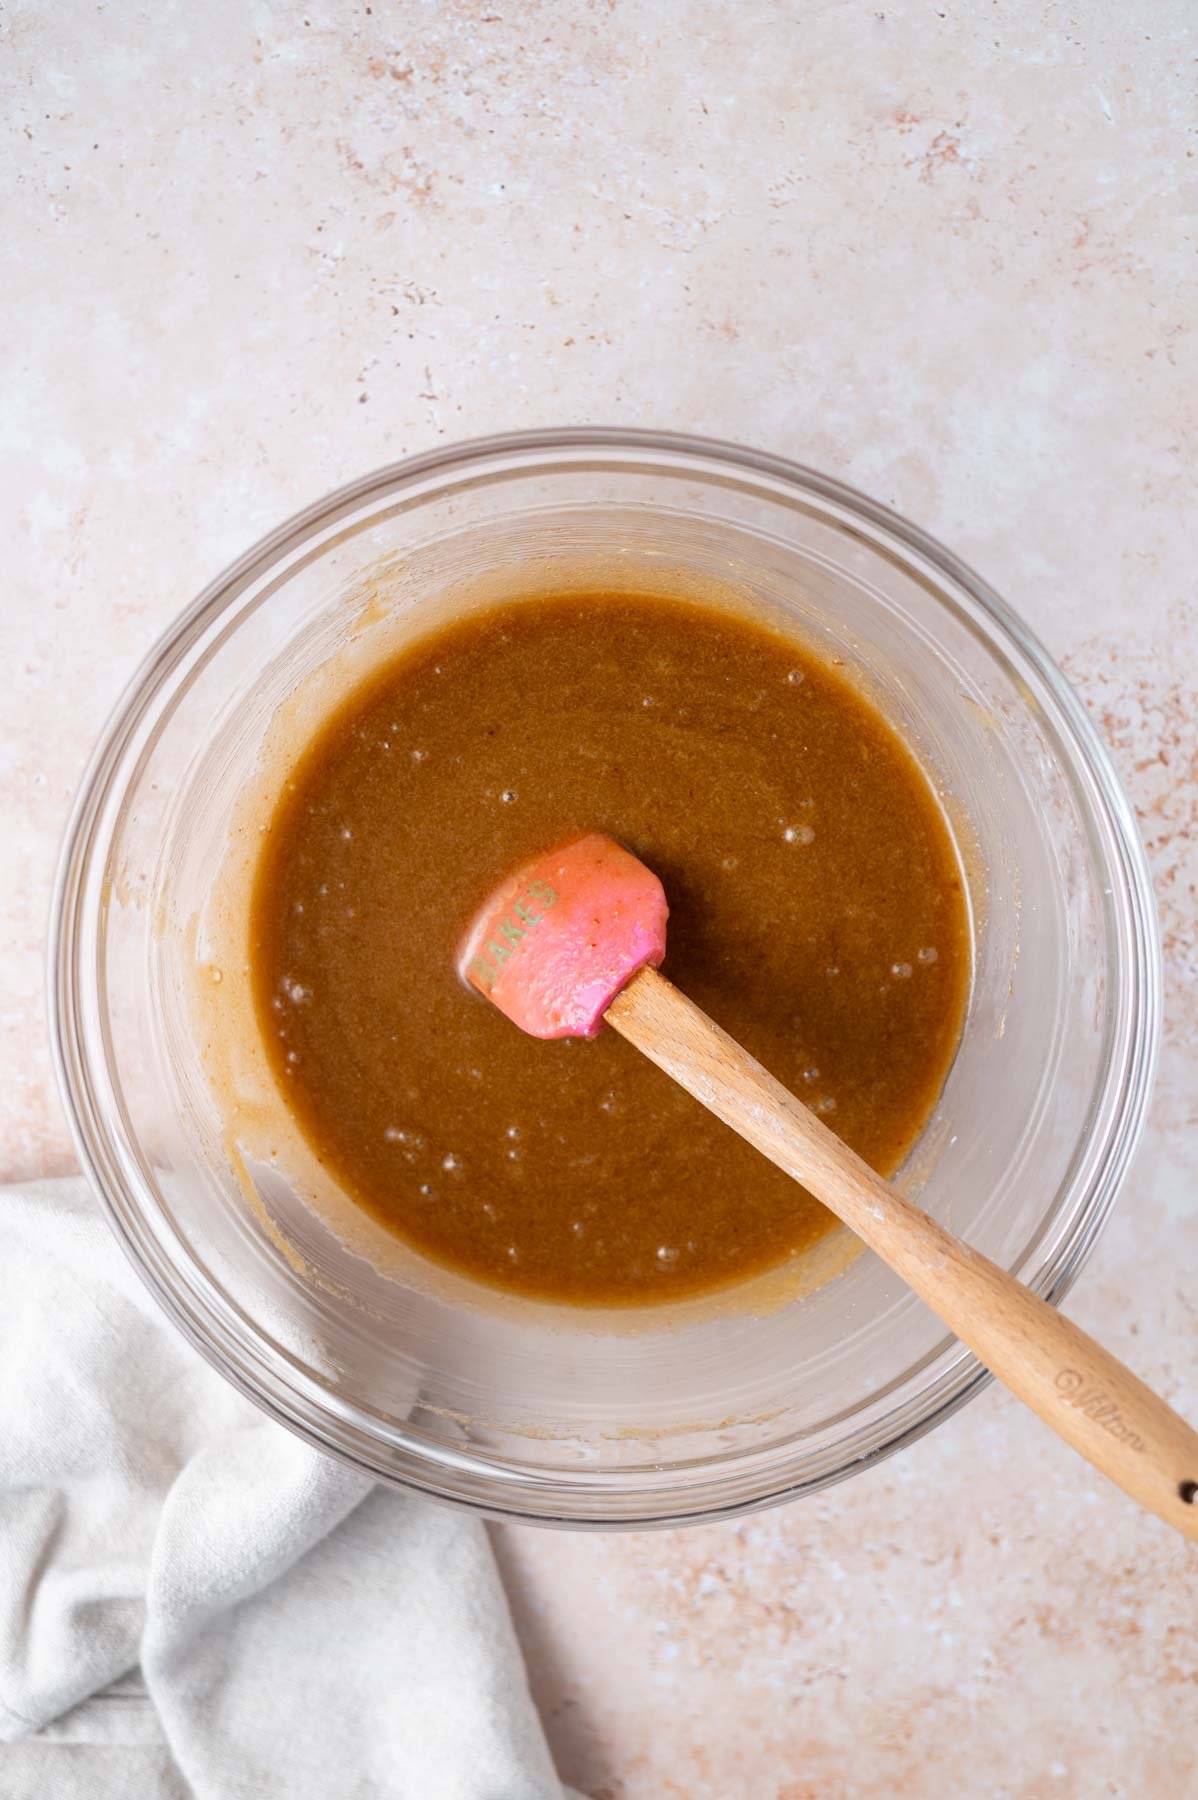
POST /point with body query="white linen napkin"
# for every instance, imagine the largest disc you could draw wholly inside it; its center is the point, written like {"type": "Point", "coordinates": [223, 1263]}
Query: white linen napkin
{"type": "Point", "coordinates": [193, 1603]}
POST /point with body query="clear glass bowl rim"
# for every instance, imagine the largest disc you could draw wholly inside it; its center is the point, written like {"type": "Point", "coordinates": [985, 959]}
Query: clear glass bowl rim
{"type": "Point", "coordinates": [226, 1339]}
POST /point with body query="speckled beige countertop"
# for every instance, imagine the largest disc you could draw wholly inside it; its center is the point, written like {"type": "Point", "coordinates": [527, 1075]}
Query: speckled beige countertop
{"type": "Point", "coordinates": [945, 251]}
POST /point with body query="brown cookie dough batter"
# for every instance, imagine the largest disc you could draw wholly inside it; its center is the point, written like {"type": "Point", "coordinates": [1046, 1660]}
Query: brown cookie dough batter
{"type": "Point", "coordinates": [817, 912]}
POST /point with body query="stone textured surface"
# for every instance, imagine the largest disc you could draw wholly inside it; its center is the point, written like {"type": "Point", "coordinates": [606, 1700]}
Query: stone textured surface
{"type": "Point", "coordinates": [947, 252]}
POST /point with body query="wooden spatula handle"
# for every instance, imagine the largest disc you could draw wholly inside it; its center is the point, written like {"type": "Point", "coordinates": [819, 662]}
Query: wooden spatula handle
{"type": "Point", "coordinates": [1076, 1387]}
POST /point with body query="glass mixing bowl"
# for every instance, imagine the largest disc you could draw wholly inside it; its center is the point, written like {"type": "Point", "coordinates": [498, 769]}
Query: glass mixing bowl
{"type": "Point", "coordinates": [587, 1418]}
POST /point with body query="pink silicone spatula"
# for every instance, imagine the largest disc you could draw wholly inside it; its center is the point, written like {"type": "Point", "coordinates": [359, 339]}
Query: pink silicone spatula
{"type": "Point", "coordinates": [574, 940]}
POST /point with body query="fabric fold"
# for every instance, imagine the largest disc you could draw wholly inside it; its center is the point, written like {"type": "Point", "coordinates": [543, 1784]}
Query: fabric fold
{"type": "Point", "coordinates": [193, 1601]}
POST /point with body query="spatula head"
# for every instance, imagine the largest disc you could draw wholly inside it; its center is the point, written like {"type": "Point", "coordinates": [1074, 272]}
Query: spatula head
{"type": "Point", "coordinates": [555, 943]}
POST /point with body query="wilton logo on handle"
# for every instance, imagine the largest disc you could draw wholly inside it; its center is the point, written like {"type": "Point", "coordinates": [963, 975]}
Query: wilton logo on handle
{"type": "Point", "coordinates": [1097, 1406]}
{"type": "Point", "coordinates": [511, 930]}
